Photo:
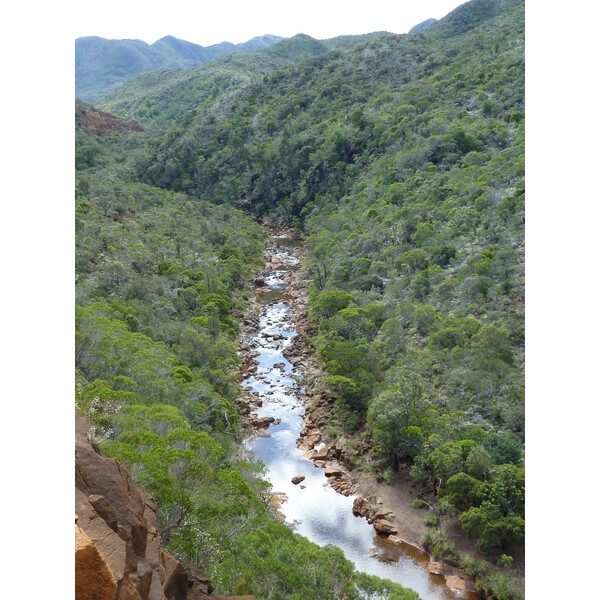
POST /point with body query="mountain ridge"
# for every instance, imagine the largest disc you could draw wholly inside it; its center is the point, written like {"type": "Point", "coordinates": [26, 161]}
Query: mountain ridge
{"type": "Point", "coordinates": [422, 26]}
{"type": "Point", "coordinates": [102, 65]}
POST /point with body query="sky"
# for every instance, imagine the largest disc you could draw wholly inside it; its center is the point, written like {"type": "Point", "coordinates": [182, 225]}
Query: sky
{"type": "Point", "coordinates": [236, 21]}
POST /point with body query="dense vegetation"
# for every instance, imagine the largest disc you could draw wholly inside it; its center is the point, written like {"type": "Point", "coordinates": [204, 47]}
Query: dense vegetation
{"type": "Point", "coordinates": [101, 65]}
{"type": "Point", "coordinates": [402, 158]}
{"type": "Point", "coordinates": [161, 277]}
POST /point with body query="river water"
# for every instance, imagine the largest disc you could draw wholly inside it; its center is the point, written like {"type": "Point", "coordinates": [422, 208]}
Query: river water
{"type": "Point", "coordinates": [317, 511]}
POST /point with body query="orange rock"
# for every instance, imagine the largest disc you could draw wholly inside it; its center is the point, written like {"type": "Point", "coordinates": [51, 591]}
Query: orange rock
{"type": "Point", "coordinates": [331, 472]}
{"type": "Point", "coordinates": [455, 583]}
{"type": "Point", "coordinates": [435, 568]}
{"type": "Point", "coordinates": [118, 553]}
{"type": "Point", "coordinates": [384, 526]}
{"type": "Point", "coordinates": [93, 577]}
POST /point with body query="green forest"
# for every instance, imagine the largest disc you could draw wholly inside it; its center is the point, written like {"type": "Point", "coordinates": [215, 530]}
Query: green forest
{"type": "Point", "coordinates": [400, 159]}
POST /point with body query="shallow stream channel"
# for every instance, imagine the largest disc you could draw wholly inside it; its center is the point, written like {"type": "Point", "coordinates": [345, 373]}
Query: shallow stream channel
{"type": "Point", "coordinates": [315, 509]}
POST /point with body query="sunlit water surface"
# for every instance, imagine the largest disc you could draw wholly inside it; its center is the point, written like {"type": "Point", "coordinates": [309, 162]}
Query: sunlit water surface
{"type": "Point", "coordinates": [316, 509]}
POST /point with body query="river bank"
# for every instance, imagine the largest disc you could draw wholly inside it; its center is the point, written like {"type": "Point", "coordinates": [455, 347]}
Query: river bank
{"type": "Point", "coordinates": [288, 415]}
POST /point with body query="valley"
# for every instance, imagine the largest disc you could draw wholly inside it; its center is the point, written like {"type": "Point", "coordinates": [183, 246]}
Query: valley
{"type": "Point", "coordinates": [300, 288]}
{"type": "Point", "coordinates": [319, 506]}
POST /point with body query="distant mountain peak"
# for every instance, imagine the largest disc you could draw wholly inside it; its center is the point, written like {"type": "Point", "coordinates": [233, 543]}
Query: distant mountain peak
{"type": "Point", "coordinates": [102, 65]}
{"type": "Point", "coordinates": [423, 25]}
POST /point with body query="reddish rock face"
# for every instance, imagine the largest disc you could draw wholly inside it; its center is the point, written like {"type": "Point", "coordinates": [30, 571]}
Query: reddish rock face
{"type": "Point", "coordinates": [93, 577]}
{"type": "Point", "coordinates": [118, 553]}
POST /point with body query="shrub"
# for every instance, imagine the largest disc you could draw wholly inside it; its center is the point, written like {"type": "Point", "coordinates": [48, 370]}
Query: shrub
{"type": "Point", "coordinates": [183, 373]}
{"type": "Point", "coordinates": [505, 561]}
{"type": "Point", "coordinates": [436, 543]}
{"type": "Point", "coordinates": [430, 520]}
{"type": "Point", "coordinates": [328, 303]}
{"type": "Point", "coordinates": [389, 477]}
{"type": "Point", "coordinates": [424, 318]}
{"type": "Point", "coordinates": [502, 450]}
{"type": "Point", "coordinates": [447, 338]}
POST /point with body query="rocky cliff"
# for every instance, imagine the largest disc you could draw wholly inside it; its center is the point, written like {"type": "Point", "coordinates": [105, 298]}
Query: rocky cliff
{"type": "Point", "coordinates": [118, 553]}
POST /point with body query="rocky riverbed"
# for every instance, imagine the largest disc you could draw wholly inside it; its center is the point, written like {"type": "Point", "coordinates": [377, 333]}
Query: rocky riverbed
{"type": "Point", "coordinates": [314, 486]}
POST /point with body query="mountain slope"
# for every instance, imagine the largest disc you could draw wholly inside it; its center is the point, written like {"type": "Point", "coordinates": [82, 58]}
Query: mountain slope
{"type": "Point", "coordinates": [469, 15]}
{"type": "Point", "coordinates": [402, 158]}
{"type": "Point", "coordinates": [158, 97]}
{"type": "Point", "coordinates": [420, 27]}
{"type": "Point", "coordinates": [102, 65]}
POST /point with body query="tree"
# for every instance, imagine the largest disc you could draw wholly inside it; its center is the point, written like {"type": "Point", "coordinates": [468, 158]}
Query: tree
{"type": "Point", "coordinates": [329, 303]}
{"type": "Point", "coordinates": [391, 415]}
{"type": "Point", "coordinates": [479, 462]}
{"type": "Point", "coordinates": [173, 467]}
{"type": "Point", "coordinates": [462, 490]}
{"type": "Point", "coordinates": [424, 317]}
{"type": "Point", "coordinates": [502, 450]}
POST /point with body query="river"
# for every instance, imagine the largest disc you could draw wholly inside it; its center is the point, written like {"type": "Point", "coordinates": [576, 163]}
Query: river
{"type": "Point", "coordinates": [314, 508]}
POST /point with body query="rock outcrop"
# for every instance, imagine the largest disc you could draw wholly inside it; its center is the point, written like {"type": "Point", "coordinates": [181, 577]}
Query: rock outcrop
{"type": "Point", "coordinates": [384, 526]}
{"type": "Point", "coordinates": [435, 568]}
{"type": "Point", "coordinates": [118, 552]}
{"type": "Point", "coordinates": [456, 584]}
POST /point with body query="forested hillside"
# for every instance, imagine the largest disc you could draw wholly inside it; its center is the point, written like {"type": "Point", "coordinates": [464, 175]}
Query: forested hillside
{"type": "Point", "coordinates": [402, 160]}
{"type": "Point", "coordinates": [102, 65]}
{"type": "Point", "coordinates": [161, 278]}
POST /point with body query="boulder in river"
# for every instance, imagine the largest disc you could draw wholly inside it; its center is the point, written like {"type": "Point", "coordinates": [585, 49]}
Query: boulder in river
{"type": "Point", "coordinates": [362, 505]}
{"type": "Point", "coordinates": [435, 568]}
{"type": "Point", "coordinates": [456, 584]}
{"type": "Point", "coordinates": [394, 539]}
{"type": "Point", "coordinates": [261, 422]}
{"type": "Point", "coordinates": [384, 526]}
{"type": "Point", "coordinates": [297, 479]}
{"type": "Point", "coordinates": [322, 454]}
{"type": "Point", "coordinates": [331, 472]}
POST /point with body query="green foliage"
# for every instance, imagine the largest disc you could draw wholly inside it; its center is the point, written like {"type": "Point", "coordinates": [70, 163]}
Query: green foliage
{"type": "Point", "coordinates": [479, 462]}
{"type": "Point", "coordinates": [430, 520]}
{"type": "Point", "coordinates": [424, 318]}
{"type": "Point", "coordinates": [183, 373]}
{"type": "Point", "coordinates": [402, 157]}
{"type": "Point", "coordinates": [440, 547]}
{"type": "Point", "coordinates": [394, 417]}
{"type": "Point", "coordinates": [499, 518]}
{"type": "Point", "coordinates": [502, 450]}
{"type": "Point", "coordinates": [505, 561]}
{"type": "Point", "coordinates": [462, 490]}
{"type": "Point", "coordinates": [491, 582]}
{"type": "Point", "coordinates": [329, 303]}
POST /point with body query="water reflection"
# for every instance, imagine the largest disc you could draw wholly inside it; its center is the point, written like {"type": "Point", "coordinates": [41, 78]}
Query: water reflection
{"type": "Point", "coordinates": [318, 511]}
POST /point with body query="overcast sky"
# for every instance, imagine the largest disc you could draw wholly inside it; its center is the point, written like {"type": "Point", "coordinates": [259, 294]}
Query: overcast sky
{"type": "Point", "coordinates": [236, 21]}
